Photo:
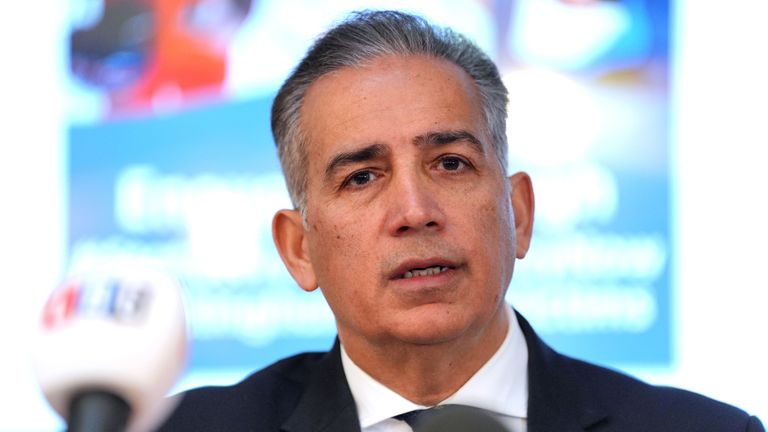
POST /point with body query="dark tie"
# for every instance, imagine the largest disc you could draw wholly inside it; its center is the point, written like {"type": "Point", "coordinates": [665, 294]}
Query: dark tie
{"type": "Point", "coordinates": [416, 417]}
{"type": "Point", "coordinates": [454, 417]}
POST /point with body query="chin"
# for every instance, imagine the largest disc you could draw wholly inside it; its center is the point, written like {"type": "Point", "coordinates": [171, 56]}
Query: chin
{"type": "Point", "coordinates": [430, 329]}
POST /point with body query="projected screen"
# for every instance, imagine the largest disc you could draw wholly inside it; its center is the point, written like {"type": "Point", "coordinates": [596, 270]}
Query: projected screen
{"type": "Point", "coordinates": [170, 158]}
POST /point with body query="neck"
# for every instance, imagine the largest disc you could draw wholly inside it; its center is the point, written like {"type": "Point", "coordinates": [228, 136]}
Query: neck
{"type": "Point", "coordinates": [427, 374]}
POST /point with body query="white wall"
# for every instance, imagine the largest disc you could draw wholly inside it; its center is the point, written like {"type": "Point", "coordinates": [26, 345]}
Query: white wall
{"type": "Point", "coordinates": [721, 85]}
{"type": "Point", "coordinates": [32, 48]}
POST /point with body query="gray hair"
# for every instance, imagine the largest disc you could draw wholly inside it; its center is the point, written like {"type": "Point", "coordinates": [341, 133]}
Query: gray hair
{"type": "Point", "coordinates": [362, 37]}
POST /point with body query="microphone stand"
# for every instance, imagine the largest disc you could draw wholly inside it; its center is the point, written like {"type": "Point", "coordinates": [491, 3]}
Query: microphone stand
{"type": "Point", "coordinates": [97, 411]}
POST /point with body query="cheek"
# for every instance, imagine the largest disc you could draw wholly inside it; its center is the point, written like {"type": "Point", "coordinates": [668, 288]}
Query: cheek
{"type": "Point", "coordinates": [338, 250]}
{"type": "Point", "coordinates": [334, 234]}
{"type": "Point", "coordinates": [494, 217]}
{"type": "Point", "coordinates": [494, 226]}
{"type": "Point", "coordinates": [342, 261]}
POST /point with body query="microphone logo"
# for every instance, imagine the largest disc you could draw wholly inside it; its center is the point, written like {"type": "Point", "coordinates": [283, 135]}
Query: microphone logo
{"type": "Point", "coordinates": [110, 298]}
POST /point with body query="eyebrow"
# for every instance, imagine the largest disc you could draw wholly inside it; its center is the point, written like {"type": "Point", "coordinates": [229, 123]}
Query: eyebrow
{"type": "Point", "coordinates": [361, 155]}
{"type": "Point", "coordinates": [373, 151]}
{"type": "Point", "coordinates": [441, 138]}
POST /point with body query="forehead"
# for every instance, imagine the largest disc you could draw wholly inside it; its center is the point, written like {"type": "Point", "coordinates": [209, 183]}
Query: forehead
{"type": "Point", "coordinates": [388, 100]}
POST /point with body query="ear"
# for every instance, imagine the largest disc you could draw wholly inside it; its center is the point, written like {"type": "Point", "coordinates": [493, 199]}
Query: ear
{"type": "Point", "coordinates": [521, 196]}
{"type": "Point", "coordinates": [291, 241]}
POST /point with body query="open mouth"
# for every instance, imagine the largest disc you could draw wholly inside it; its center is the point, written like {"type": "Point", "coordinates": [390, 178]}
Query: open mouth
{"type": "Point", "coordinates": [428, 271]}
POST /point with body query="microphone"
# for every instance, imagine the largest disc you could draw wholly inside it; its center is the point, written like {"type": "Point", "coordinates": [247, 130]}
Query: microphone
{"type": "Point", "coordinates": [459, 418]}
{"type": "Point", "coordinates": [111, 343]}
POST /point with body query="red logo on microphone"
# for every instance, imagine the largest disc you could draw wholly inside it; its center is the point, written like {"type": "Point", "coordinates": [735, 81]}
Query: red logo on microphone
{"type": "Point", "coordinates": [114, 299]}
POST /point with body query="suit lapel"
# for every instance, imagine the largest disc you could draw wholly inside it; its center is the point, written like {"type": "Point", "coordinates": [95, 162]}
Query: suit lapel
{"type": "Point", "coordinates": [327, 403]}
{"type": "Point", "coordinates": [555, 397]}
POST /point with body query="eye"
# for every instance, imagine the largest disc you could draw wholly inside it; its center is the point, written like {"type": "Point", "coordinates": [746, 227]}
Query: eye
{"type": "Point", "coordinates": [452, 163]}
{"type": "Point", "coordinates": [359, 179]}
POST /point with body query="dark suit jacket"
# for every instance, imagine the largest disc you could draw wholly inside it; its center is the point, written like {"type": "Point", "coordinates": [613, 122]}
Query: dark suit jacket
{"type": "Point", "coordinates": [309, 392]}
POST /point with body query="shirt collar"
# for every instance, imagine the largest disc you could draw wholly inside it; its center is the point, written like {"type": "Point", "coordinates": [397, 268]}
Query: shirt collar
{"type": "Point", "coordinates": [500, 385]}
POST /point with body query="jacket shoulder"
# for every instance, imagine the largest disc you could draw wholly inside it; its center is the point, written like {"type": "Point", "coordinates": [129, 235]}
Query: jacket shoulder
{"type": "Point", "coordinates": [564, 391]}
{"type": "Point", "coordinates": [262, 401]}
{"type": "Point", "coordinates": [632, 402]}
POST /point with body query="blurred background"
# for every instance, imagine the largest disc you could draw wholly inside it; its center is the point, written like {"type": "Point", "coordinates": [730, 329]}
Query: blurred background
{"type": "Point", "coordinates": [140, 129]}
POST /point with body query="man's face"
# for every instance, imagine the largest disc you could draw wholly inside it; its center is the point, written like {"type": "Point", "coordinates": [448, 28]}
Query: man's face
{"type": "Point", "coordinates": [410, 229]}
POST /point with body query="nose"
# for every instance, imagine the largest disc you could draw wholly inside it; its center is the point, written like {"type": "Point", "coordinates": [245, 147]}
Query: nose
{"type": "Point", "coordinates": [414, 207]}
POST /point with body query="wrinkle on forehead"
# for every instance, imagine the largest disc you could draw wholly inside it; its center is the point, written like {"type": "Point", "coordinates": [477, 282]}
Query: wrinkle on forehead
{"type": "Point", "coordinates": [391, 76]}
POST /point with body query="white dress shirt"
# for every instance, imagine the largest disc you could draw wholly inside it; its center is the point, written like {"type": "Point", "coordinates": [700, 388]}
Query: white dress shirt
{"type": "Point", "coordinates": [499, 386]}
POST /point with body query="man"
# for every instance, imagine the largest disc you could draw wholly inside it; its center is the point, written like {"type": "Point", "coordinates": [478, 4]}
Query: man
{"type": "Point", "coordinates": [391, 134]}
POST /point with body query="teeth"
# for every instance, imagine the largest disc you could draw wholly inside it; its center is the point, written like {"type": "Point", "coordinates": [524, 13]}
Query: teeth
{"type": "Point", "coordinates": [429, 271]}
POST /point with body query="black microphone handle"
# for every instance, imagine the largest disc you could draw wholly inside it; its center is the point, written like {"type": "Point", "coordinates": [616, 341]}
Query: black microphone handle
{"type": "Point", "coordinates": [97, 411]}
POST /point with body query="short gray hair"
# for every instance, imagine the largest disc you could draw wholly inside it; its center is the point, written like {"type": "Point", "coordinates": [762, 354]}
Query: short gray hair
{"type": "Point", "coordinates": [362, 37]}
